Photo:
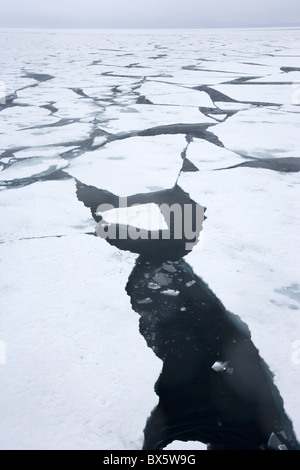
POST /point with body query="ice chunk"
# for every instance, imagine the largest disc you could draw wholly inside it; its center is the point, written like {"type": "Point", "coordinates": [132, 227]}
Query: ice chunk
{"type": "Point", "coordinates": [171, 292]}
{"type": "Point", "coordinates": [190, 283]}
{"type": "Point", "coordinates": [282, 447]}
{"type": "Point", "coordinates": [275, 443]}
{"type": "Point", "coordinates": [100, 140]}
{"type": "Point", "coordinates": [145, 301]}
{"type": "Point", "coordinates": [153, 286]}
{"type": "Point", "coordinates": [169, 267]}
{"type": "Point", "coordinates": [162, 279]}
{"type": "Point", "coordinates": [219, 366]}
{"type": "Point", "coordinates": [283, 434]}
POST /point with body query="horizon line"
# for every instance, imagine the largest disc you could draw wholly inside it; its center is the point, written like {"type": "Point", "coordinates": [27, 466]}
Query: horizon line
{"type": "Point", "coordinates": [285, 26]}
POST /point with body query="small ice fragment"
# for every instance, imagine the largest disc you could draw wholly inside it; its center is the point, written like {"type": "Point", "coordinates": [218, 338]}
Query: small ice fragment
{"type": "Point", "coordinates": [171, 292]}
{"type": "Point", "coordinates": [153, 286]}
{"type": "Point", "coordinates": [275, 443]}
{"type": "Point", "coordinates": [162, 279]}
{"type": "Point", "coordinates": [230, 370]}
{"type": "Point", "coordinates": [183, 309]}
{"type": "Point", "coordinates": [144, 301]}
{"type": "Point", "coordinates": [190, 283]}
{"type": "Point", "coordinates": [283, 434]}
{"type": "Point", "coordinates": [100, 140]}
{"type": "Point", "coordinates": [219, 366]}
{"type": "Point", "coordinates": [169, 267]}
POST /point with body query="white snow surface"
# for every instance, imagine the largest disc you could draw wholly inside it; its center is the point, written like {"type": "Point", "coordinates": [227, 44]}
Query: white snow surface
{"type": "Point", "coordinates": [133, 165]}
{"type": "Point", "coordinates": [145, 216]}
{"type": "Point", "coordinates": [77, 372]}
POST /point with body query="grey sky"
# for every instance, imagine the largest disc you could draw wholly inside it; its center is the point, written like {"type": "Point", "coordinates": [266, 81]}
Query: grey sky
{"type": "Point", "coordinates": [148, 14]}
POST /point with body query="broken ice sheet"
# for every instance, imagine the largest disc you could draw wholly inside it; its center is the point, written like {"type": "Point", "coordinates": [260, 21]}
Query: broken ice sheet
{"type": "Point", "coordinates": [43, 152]}
{"type": "Point", "coordinates": [142, 162]}
{"type": "Point", "coordinates": [43, 94]}
{"type": "Point", "coordinates": [43, 209]}
{"type": "Point", "coordinates": [161, 93]}
{"type": "Point", "coordinates": [261, 132]}
{"type": "Point", "coordinates": [277, 94]}
{"type": "Point", "coordinates": [198, 77]}
{"type": "Point", "coordinates": [144, 116]}
{"type": "Point", "coordinates": [32, 167]}
{"type": "Point", "coordinates": [207, 156]}
{"type": "Point", "coordinates": [18, 117]}
{"type": "Point", "coordinates": [49, 285]}
{"type": "Point", "coordinates": [289, 77]}
{"type": "Point", "coordinates": [47, 135]}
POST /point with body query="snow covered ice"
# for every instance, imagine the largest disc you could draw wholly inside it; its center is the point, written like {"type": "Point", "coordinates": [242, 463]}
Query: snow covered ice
{"type": "Point", "coordinates": [104, 109]}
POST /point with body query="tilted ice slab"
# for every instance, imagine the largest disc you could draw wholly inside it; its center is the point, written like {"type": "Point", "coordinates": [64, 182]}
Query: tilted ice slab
{"type": "Point", "coordinates": [277, 94]}
{"type": "Point", "coordinates": [132, 165]}
{"type": "Point", "coordinates": [43, 209]}
{"type": "Point", "coordinates": [32, 167]}
{"type": "Point", "coordinates": [143, 116]}
{"type": "Point", "coordinates": [261, 132]}
{"type": "Point", "coordinates": [207, 156]}
{"type": "Point", "coordinates": [75, 375]}
{"type": "Point", "coordinates": [250, 240]}
{"type": "Point", "coordinates": [161, 93]}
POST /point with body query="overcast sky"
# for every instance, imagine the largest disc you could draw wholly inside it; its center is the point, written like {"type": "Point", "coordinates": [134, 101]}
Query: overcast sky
{"type": "Point", "coordinates": [148, 14]}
